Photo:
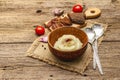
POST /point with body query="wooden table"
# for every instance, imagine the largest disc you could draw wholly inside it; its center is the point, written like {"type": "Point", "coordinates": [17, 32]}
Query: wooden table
{"type": "Point", "coordinates": [17, 18]}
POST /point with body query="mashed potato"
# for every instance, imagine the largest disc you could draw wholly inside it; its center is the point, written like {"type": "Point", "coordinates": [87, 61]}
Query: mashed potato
{"type": "Point", "coordinates": [68, 43]}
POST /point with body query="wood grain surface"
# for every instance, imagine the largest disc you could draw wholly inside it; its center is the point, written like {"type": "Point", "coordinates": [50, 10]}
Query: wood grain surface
{"type": "Point", "coordinates": [17, 18]}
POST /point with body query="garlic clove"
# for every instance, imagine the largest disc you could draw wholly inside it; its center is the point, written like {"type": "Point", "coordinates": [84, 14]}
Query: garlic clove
{"type": "Point", "coordinates": [58, 12]}
{"type": "Point", "coordinates": [44, 39]}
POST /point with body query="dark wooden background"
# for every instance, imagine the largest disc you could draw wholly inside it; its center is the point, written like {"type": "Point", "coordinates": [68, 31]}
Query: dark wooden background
{"type": "Point", "coordinates": [17, 18]}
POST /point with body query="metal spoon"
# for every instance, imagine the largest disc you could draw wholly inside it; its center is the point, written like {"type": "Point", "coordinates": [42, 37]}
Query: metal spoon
{"type": "Point", "coordinates": [91, 37]}
{"type": "Point", "coordinates": [99, 32]}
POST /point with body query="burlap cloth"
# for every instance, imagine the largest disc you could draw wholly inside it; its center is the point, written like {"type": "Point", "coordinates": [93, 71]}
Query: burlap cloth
{"type": "Point", "coordinates": [39, 50]}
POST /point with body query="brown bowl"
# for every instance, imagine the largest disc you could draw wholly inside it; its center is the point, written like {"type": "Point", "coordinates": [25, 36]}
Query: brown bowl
{"type": "Point", "coordinates": [67, 55]}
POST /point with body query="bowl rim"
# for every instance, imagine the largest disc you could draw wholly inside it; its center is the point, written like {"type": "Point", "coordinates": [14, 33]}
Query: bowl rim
{"type": "Point", "coordinates": [66, 51]}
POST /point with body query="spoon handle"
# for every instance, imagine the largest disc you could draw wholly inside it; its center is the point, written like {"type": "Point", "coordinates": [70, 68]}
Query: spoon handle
{"type": "Point", "coordinates": [96, 57]}
{"type": "Point", "coordinates": [96, 52]}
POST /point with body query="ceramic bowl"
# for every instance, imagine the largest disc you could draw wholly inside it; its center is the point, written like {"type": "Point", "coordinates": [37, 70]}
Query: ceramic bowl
{"type": "Point", "coordinates": [67, 55]}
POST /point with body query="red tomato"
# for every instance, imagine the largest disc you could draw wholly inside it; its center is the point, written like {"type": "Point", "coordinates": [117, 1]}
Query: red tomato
{"type": "Point", "coordinates": [77, 8]}
{"type": "Point", "coordinates": [40, 30]}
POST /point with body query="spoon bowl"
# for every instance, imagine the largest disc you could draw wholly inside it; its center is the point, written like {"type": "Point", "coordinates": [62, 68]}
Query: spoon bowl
{"type": "Point", "coordinates": [91, 35]}
{"type": "Point", "coordinates": [98, 30]}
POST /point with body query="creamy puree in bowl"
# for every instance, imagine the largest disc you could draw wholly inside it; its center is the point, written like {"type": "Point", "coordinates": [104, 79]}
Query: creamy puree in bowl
{"type": "Point", "coordinates": [68, 43]}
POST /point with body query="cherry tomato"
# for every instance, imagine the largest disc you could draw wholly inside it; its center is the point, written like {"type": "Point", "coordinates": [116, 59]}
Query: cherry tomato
{"type": "Point", "coordinates": [77, 8]}
{"type": "Point", "coordinates": [40, 30]}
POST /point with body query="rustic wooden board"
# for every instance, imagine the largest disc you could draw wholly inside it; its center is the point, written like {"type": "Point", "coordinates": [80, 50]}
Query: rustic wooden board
{"type": "Point", "coordinates": [22, 14]}
{"type": "Point", "coordinates": [14, 62]}
{"type": "Point", "coordinates": [16, 35]}
{"type": "Point", "coordinates": [17, 18]}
